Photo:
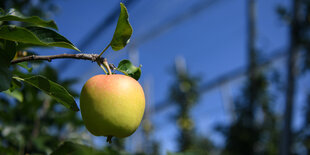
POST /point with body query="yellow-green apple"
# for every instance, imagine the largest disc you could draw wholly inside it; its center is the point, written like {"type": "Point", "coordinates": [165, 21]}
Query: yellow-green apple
{"type": "Point", "coordinates": [112, 105]}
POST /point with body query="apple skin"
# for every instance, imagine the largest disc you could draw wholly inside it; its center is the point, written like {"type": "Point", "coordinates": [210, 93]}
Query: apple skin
{"type": "Point", "coordinates": [112, 105]}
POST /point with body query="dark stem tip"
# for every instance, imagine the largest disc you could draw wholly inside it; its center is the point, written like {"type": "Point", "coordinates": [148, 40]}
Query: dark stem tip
{"type": "Point", "coordinates": [109, 139]}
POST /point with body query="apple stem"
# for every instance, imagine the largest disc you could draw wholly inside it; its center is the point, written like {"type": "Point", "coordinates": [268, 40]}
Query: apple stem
{"type": "Point", "coordinates": [102, 68]}
{"type": "Point", "coordinates": [106, 65]}
{"type": "Point", "coordinates": [109, 139]}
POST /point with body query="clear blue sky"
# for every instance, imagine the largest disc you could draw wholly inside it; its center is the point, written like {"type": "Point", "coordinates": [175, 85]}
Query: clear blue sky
{"type": "Point", "coordinates": [213, 42]}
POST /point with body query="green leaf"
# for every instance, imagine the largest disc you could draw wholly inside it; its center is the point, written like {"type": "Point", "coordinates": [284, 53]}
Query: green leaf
{"type": "Point", "coordinates": [5, 77]}
{"type": "Point", "coordinates": [14, 15]}
{"type": "Point", "coordinates": [25, 65]}
{"type": "Point", "coordinates": [126, 67]}
{"type": "Point", "coordinates": [190, 152]}
{"type": "Point", "coordinates": [7, 53]}
{"type": "Point", "coordinates": [71, 148]}
{"type": "Point", "coordinates": [56, 91]}
{"type": "Point", "coordinates": [123, 30]}
{"type": "Point", "coordinates": [1, 11]}
{"type": "Point", "coordinates": [35, 35]}
{"type": "Point", "coordinates": [15, 94]}
{"type": "Point", "coordinates": [15, 84]}
{"type": "Point", "coordinates": [75, 149]}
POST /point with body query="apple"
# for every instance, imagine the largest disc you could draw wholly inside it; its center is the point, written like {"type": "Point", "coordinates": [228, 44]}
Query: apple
{"type": "Point", "coordinates": [112, 105]}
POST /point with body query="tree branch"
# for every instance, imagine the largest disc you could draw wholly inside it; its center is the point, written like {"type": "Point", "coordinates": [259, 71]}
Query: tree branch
{"type": "Point", "coordinates": [226, 78]}
{"type": "Point", "coordinates": [91, 57]}
{"type": "Point", "coordinates": [286, 145]}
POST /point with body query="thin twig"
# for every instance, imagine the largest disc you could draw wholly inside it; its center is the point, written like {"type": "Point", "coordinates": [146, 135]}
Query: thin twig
{"type": "Point", "coordinates": [105, 49]}
{"type": "Point", "coordinates": [102, 67]}
{"type": "Point", "coordinates": [106, 65]}
{"type": "Point", "coordinates": [91, 57]}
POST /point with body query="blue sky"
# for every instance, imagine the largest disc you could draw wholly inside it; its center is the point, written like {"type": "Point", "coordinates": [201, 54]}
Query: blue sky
{"type": "Point", "coordinates": [213, 42]}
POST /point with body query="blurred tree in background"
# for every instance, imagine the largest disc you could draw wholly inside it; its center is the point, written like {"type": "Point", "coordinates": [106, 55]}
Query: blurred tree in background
{"type": "Point", "coordinates": [41, 8]}
{"type": "Point", "coordinates": [32, 122]}
{"type": "Point", "coordinates": [254, 129]}
{"type": "Point", "coordinates": [298, 18]}
{"type": "Point", "coordinates": [248, 134]}
{"type": "Point", "coordinates": [184, 92]}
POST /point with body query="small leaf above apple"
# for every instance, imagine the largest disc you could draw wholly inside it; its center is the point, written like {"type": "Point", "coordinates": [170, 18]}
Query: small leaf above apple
{"type": "Point", "coordinates": [126, 67]}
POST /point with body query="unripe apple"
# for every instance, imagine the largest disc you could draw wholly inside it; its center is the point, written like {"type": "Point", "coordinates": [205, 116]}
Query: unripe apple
{"type": "Point", "coordinates": [112, 105]}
